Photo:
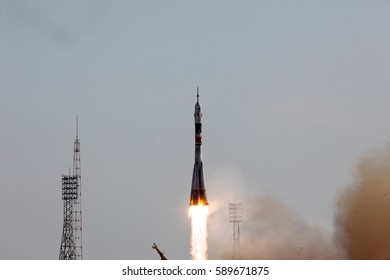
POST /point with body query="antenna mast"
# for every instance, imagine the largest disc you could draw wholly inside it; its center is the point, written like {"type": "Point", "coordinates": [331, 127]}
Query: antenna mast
{"type": "Point", "coordinates": [77, 204]}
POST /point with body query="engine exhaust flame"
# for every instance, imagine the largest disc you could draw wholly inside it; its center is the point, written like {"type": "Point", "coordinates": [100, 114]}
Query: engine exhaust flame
{"type": "Point", "coordinates": [198, 216]}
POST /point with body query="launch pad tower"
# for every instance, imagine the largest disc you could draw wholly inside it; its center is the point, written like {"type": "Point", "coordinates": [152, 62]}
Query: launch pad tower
{"type": "Point", "coordinates": [235, 217]}
{"type": "Point", "coordinates": [71, 242]}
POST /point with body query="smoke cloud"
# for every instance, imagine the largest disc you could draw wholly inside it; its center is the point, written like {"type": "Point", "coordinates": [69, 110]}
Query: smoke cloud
{"type": "Point", "coordinates": [362, 222]}
{"type": "Point", "coordinates": [283, 234]}
{"type": "Point", "coordinates": [271, 231]}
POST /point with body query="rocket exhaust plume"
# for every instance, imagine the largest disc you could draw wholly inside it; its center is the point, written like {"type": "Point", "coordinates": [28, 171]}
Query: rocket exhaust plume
{"type": "Point", "coordinates": [198, 200]}
{"type": "Point", "coordinates": [198, 216]}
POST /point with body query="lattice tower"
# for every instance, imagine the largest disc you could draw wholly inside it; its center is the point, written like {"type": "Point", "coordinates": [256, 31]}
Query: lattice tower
{"type": "Point", "coordinates": [71, 242]}
{"type": "Point", "coordinates": [235, 217]}
{"type": "Point", "coordinates": [69, 195]}
{"type": "Point", "coordinates": [77, 203]}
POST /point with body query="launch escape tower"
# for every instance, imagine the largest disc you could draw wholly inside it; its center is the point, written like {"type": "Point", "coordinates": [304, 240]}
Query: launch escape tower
{"type": "Point", "coordinates": [71, 242]}
{"type": "Point", "coordinates": [235, 217]}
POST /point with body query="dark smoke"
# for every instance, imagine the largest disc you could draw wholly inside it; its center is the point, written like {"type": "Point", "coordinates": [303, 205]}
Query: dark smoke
{"type": "Point", "coordinates": [362, 223]}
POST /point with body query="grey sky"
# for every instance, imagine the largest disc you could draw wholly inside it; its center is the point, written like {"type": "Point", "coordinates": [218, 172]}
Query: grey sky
{"type": "Point", "coordinates": [293, 94]}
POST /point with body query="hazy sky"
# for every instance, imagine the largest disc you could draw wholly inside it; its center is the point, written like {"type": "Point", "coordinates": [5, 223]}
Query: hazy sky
{"type": "Point", "coordinates": [293, 94]}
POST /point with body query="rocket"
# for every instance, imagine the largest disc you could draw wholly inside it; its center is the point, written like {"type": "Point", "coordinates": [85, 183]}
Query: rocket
{"type": "Point", "coordinates": [198, 189]}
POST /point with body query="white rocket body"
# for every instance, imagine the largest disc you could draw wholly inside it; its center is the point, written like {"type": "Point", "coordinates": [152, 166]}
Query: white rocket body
{"type": "Point", "coordinates": [198, 189]}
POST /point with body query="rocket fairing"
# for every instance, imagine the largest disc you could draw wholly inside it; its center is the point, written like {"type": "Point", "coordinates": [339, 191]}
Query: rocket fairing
{"type": "Point", "coordinates": [198, 189]}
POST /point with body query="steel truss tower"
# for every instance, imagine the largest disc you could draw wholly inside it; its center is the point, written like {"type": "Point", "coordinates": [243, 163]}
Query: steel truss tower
{"type": "Point", "coordinates": [71, 242]}
{"type": "Point", "coordinates": [69, 195]}
{"type": "Point", "coordinates": [235, 217]}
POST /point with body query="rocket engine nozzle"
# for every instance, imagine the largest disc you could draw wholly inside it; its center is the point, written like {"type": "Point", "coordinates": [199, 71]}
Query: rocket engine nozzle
{"type": "Point", "coordinates": [198, 198]}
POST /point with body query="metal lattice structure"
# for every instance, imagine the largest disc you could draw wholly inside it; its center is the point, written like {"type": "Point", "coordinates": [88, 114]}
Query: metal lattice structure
{"type": "Point", "coordinates": [77, 204]}
{"type": "Point", "coordinates": [235, 217]}
{"type": "Point", "coordinates": [71, 242]}
{"type": "Point", "coordinates": [69, 195]}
